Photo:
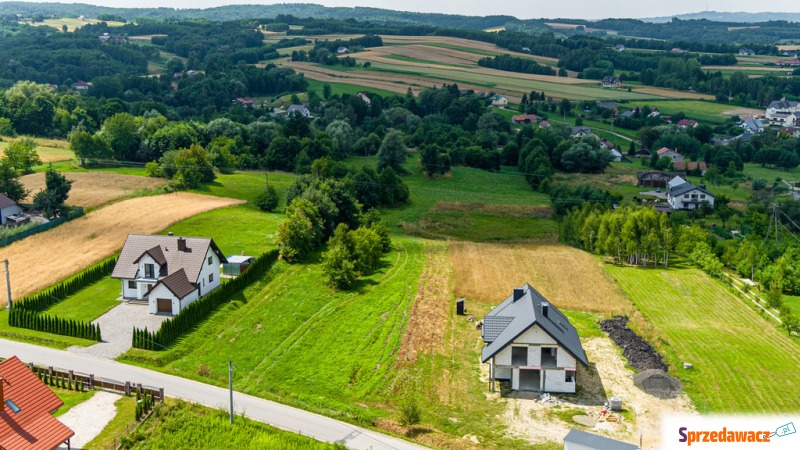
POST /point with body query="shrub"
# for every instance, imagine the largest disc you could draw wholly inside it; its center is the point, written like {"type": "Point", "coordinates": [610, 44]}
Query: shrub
{"type": "Point", "coordinates": [267, 200]}
{"type": "Point", "coordinates": [410, 412]}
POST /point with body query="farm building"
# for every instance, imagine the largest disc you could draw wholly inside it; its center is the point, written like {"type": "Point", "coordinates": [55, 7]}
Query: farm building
{"type": "Point", "coordinates": [581, 440]}
{"type": "Point", "coordinates": [672, 154]}
{"type": "Point", "coordinates": [655, 179]}
{"type": "Point", "coordinates": [687, 123]}
{"type": "Point", "coordinates": [245, 102]}
{"type": "Point", "coordinates": [81, 86]}
{"type": "Point", "coordinates": [168, 272]}
{"type": "Point", "coordinates": [687, 196]}
{"type": "Point", "coordinates": [236, 265]}
{"type": "Point", "coordinates": [26, 422]}
{"type": "Point", "coordinates": [691, 166]}
{"type": "Point", "coordinates": [530, 343]}
{"type": "Point", "coordinates": [523, 119]}
{"type": "Point", "coordinates": [8, 208]}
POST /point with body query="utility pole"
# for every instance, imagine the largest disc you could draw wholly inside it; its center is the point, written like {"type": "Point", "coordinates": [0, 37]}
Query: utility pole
{"type": "Point", "coordinates": [8, 285]}
{"type": "Point", "coordinates": [230, 385]}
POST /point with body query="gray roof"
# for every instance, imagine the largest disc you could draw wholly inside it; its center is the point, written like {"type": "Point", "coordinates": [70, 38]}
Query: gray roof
{"type": "Point", "coordinates": [191, 260]}
{"type": "Point", "coordinates": [686, 187]}
{"type": "Point", "coordinates": [581, 129]}
{"type": "Point", "coordinates": [5, 202]}
{"type": "Point", "coordinates": [753, 124]}
{"type": "Point", "coordinates": [513, 317]}
{"type": "Point", "coordinates": [238, 259]}
{"type": "Point", "coordinates": [596, 442]}
{"type": "Point", "coordinates": [783, 104]}
{"type": "Point", "coordinates": [177, 283]}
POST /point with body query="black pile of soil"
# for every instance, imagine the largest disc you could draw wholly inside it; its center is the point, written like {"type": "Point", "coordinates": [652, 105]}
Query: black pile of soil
{"type": "Point", "coordinates": [640, 354]}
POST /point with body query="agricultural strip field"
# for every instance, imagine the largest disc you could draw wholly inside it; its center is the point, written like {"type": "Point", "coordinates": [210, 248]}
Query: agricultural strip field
{"type": "Point", "coordinates": [91, 238]}
{"type": "Point", "coordinates": [342, 88]}
{"type": "Point", "coordinates": [398, 76]}
{"type": "Point", "coordinates": [742, 362]}
{"type": "Point", "coordinates": [702, 110]}
{"type": "Point", "coordinates": [71, 23]}
{"type": "Point", "coordinates": [49, 150]}
{"type": "Point", "coordinates": [93, 189]}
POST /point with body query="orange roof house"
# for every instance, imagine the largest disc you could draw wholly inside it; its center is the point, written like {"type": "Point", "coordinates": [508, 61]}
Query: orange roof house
{"type": "Point", "coordinates": [26, 422]}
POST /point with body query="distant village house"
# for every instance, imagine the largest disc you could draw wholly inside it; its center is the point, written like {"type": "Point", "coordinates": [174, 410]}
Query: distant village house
{"type": "Point", "coordinates": [611, 81]}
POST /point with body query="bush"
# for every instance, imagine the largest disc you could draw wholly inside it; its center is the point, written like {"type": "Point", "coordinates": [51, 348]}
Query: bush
{"type": "Point", "coordinates": [31, 320]}
{"type": "Point", "coordinates": [267, 200]}
{"type": "Point", "coordinates": [410, 412]}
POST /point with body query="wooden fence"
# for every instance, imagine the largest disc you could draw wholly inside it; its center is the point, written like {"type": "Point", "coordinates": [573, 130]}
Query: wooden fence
{"type": "Point", "coordinates": [91, 382]}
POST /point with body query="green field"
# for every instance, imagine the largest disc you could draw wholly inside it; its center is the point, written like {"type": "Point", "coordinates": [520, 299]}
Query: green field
{"type": "Point", "coordinates": [342, 88]}
{"type": "Point", "coordinates": [89, 303]}
{"type": "Point", "coordinates": [181, 425]}
{"type": "Point", "coordinates": [482, 227]}
{"type": "Point", "coordinates": [793, 302]}
{"type": "Point", "coordinates": [246, 185]}
{"type": "Point", "coordinates": [37, 337]}
{"type": "Point", "coordinates": [287, 332]}
{"type": "Point", "coordinates": [742, 362]}
{"type": "Point", "coordinates": [704, 111]}
{"type": "Point", "coordinates": [756, 171]}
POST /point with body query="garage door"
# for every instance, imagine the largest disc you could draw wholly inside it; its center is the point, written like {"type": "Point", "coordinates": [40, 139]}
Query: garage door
{"type": "Point", "coordinates": [165, 305]}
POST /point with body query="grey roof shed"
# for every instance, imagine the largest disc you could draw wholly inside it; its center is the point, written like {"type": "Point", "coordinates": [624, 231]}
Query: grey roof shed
{"type": "Point", "coordinates": [583, 440]}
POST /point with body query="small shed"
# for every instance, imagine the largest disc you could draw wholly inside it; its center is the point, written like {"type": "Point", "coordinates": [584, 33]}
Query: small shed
{"type": "Point", "coordinates": [581, 440]}
{"type": "Point", "coordinates": [236, 265]}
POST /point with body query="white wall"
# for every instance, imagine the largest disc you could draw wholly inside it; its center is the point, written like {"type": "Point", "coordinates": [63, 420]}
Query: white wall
{"type": "Point", "coordinates": [208, 269]}
{"type": "Point", "coordinates": [564, 359]}
{"type": "Point", "coordinates": [161, 291]}
{"type": "Point", "coordinates": [128, 292]}
{"type": "Point", "coordinates": [515, 379]}
{"type": "Point", "coordinates": [147, 259]}
{"type": "Point", "coordinates": [535, 335]}
{"type": "Point", "coordinates": [554, 381]}
{"type": "Point", "coordinates": [503, 357]}
{"type": "Point", "coordinates": [502, 373]}
{"type": "Point", "coordinates": [7, 211]}
{"type": "Point", "coordinates": [534, 356]}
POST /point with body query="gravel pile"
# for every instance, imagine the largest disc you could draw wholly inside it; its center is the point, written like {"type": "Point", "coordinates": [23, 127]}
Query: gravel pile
{"type": "Point", "coordinates": [640, 354]}
{"type": "Point", "coordinates": [657, 383]}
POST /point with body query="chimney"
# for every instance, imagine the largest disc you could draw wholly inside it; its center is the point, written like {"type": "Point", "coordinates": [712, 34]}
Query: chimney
{"type": "Point", "coordinates": [2, 395]}
{"type": "Point", "coordinates": [518, 293]}
{"type": "Point", "coordinates": [545, 308]}
{"type": "Point", "coordinates": [170, 234]}
{"type": "Point", "coordinates": [181, 244]}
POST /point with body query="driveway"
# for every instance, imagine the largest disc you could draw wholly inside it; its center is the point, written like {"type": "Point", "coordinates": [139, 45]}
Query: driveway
{"type": "Point", "coordinates": [285, 417]}
{"type": "Point", "coordinates": [116, 328]}
{"type": "Point", "coordinates": [89, 418]}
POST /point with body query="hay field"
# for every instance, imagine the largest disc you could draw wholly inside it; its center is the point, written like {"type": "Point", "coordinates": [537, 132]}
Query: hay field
{"type": "Point", "coordinates": [71, 23]}
{"type": "Point", "coordinates": [571, 279]}
{"type": "Point", "coordinates": [671, 93]}
{"type": "Point", "coordinates": [93, 189]}
{"type": "Point", "coordinates": [46, 258]}
{"type": "Point", "coordinates": [49, 150]}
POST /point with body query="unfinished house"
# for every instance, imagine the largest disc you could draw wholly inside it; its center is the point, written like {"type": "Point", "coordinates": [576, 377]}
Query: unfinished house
{"type": "Point", "coordinates": [531, 344]}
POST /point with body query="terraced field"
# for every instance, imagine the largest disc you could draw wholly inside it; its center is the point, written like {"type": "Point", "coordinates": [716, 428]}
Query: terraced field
{"type": "Point", "coordinates": [742, 362]}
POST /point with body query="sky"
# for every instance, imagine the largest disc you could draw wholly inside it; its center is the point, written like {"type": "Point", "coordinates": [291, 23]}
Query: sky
{"type": "Point", "coordinates": [523, 9]}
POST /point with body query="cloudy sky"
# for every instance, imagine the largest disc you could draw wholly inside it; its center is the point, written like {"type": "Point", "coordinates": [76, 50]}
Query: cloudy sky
{"type": "Point", "coordinates": [524, 9]}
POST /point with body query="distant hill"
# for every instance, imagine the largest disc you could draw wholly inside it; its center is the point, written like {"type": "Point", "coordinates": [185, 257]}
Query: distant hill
{"type": "Point", "coordinates": [735, 17]}
{"type": "Point", "coordinates": [235, 12]}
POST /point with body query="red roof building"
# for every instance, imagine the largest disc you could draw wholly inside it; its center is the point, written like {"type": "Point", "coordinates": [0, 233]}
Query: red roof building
{"type": "Point", "coordinates": [523, 119]}
{"type": "Point", "coordinates": [687, 123]}
{"type": "Point", "coordinates": [26, 422]}
{"type": "Point", "coordinates": [690, 166]}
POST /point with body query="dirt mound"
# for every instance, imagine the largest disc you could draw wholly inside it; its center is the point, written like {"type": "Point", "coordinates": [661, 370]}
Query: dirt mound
{"type": "Point", "coordinates": [657, 383]}
{"type": "Point", "coordinates": [640, 354]}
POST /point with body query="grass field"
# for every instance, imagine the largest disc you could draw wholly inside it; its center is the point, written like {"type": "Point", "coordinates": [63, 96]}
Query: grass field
{"type": "Point", "coordinates": [706, 111]}
{"type": "Point", "coordinates": [179, 425]}
{"type": "Point", "coordinates": [247, 185]}
{"type": "Point", "coordinates": [49, 150]}
{"type": "Point", "coordinates": [756, 171]}
{"type": "Point", "coordinates": [342, 88]}
{"type": "Point", "coordinates": [474, 222]}
{"type": "Point", "coordinates": [95, 236]}
{"type": "Point", "coordinates": [793, 302]}
{"type": "Point", "coordinates": [742, 362]}
{"type": "Point", "coordinates": [289, 330]}
{"type": "Point", "coordinates": [89, 303]}
{"type": "Point", "coordinates": [93, 189]}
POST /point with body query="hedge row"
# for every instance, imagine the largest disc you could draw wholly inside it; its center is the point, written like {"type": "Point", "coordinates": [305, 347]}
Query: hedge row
{"type": "Point", "coordinates": [51, 324]}
{"type": "Point", "coordinates": [46, 299]}
{"type": "Point", "coordinates": [197, 311]}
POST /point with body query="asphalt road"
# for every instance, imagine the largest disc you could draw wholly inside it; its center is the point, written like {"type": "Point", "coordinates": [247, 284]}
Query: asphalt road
{"type": "Point", "coordinates": [275, 414]}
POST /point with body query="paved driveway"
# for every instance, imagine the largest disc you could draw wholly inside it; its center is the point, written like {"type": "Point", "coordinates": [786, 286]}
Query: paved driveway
{"type": "Point", "coordinates": [116, 328]}
{"type": "Point", "coordinates": [89, 418]}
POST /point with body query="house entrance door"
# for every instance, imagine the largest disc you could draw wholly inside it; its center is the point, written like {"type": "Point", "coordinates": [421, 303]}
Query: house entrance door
{"type": "Point", "coordinates": [165, 305]}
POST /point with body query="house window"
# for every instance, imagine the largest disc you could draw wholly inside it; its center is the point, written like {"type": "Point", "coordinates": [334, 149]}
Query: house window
{"type": "Point", "coordinates": [569, 377]}
{"type": "Point", "coordinates": [702, 195]}
{"type": "Point", "coordinates": [519, 356]}
{"type": "Point", "coordinates": [209, 260]}
{"type": "Point", "coordinates": [149, 271]}
{"type": "Point", "coordinates": [211, 278]}
{"type": "Point", "coordinates": [131, 285]}
{"type": "Point", "coordinates": [685, 195]}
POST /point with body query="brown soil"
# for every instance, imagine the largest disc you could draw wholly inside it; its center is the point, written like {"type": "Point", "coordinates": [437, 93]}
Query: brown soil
{"type": "Point", "coordinates": [426, 324]}
{"type": "Point", "coordinates": [93, 189]}
{"type": "Point", "coordinates": [41, 260]}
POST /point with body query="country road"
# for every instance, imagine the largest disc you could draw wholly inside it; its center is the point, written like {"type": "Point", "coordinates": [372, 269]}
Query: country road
{"type": "Point", "coordinates": [275, 414]}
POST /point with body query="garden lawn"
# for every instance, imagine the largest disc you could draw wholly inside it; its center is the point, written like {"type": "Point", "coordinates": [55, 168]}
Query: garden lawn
{"type": "Point", "coordinates": [235, 230]}
{"type": "Point", "coordinates": [793, 302]}
{"type": "Point", "coordinates": [90, 302]}
{"type": "Point", "coordinates": [742, 362]}
{"type": "Point", "coordinates": [756, 171]}
{"type": "Point", "coordinates": [38, 337]}
{"type": "Point", "coordinates": [705, 111]}
{"type": "Point", "coordinates": [295, 340]}
{"type": "Point", "coordinates": [180, 425]}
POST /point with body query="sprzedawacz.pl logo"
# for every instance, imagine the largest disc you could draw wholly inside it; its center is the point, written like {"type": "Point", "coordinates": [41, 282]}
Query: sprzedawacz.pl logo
{"type": "Point", "coordinates": [724, 436]}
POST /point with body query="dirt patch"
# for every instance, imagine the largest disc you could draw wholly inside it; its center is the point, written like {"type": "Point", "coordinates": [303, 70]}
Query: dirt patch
{"type": "Point", "coordinates": [512, 211]}
{"type": "Point", "coordinates": [93, 189]}
{"type": "Point", "coordinates": [46, 258]}
{"type": "Point", "coordinates": [426, 324]}
{"type": "Point", "coordinates": [742, 112]}
{"type": "Point", "coordinates": [485, 272]}
{"type": "Point", "coordinates": [531, 419]}
{"type": "Point", "coordinates": [640, 354]}
{"type": "Point", "coordinates": [669, 93]}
